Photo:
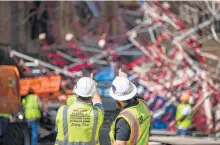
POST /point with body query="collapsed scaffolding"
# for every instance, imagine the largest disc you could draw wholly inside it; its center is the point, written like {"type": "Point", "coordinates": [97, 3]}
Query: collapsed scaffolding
{"type": "Point", "coordinates": [171, 63]}
{"type": "Point", "coordinates": [170, 70]}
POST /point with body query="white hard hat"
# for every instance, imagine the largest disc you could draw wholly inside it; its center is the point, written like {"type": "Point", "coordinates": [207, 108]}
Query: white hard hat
{"type": "Point", "coordinates": [42, 36]}
{"type": "Point", "coordinates": [101, 43]}
{"type": "Point", "coordinates": [166, 5]}
{"type": "Point", "coordinates": [122, 89]}
{"type": "Point", "coordinates": [69, 36]}
{"type": "Point", "coordinates": [85, 87]}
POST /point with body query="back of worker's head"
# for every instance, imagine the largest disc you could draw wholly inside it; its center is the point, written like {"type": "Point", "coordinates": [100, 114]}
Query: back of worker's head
{"type": "Point", "coordinates": [85, 88]}
{"type": "Point", "coordinates": [31, 91]}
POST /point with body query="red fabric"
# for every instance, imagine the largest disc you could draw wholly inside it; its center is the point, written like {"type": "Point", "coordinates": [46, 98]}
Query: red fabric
{"type": "Point", "coordinates": [136, 62]}
{"type": "Point", "coordinates": [53, 55]}
{"type": "Point", "coordinates": [83, 57]}
{"type": "Point", "coordinates": [166, 117]}
{"type": "Point", "coordinates": [77, 51]}
{"type": "Point", "coordinates": [171, 15]}
{"type": "Point", "coordinates": [80, 66]}
{"type": "Point", "coordinates": [80, 54]}
{"type": "Point", "coordinates": [72, 44]}
{"type": "Point", "coordinates": [44, 47]}
{"type": "Point", "coordinates": [115, 55]}
{"type": "Point", "coordinates": [59, 62]}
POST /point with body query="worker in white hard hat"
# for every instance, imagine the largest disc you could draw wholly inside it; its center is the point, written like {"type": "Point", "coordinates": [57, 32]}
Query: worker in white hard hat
{"type": "Point", "coordinates": [132, 125]}
{"type": "Point", "coordinates": [80, 123]}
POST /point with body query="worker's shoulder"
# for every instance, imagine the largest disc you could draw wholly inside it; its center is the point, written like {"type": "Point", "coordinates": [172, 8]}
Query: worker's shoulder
{"type": "Point", "coordinates": [140, 99]}
{"type": "Point", "coordinates": [72, 96]}
{"type": "Point", "coordinates": [99, 107]}
{"type": "Point", "coordinates": [61, 108]}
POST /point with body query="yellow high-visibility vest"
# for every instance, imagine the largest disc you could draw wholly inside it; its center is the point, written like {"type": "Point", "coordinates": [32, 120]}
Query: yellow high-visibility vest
{"type": "Point", "coordinates": [78, 124]}
{"type": "Point", "coordinates": [139, 120]}
{"type": "Point", "coordinates": [186, 123]}
{"type": "Point", "coordinates": [5, 115]}
{"type": "Point", "coordinates": [71, 99]}
{"type": "Point", "coordinates": [31, 107]}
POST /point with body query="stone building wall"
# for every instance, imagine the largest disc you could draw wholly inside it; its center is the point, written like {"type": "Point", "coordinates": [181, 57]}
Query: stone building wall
{"type": "Point", "coordinates": [5, 19]}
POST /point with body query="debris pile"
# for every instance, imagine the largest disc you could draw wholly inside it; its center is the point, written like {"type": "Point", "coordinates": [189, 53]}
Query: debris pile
{"type": "Point", "coordinates": [164, 53]}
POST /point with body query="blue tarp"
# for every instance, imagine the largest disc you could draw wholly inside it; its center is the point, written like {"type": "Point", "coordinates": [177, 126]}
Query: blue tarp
{"type": "Point", "coordinates": [105, 74]}
{"type": "Point", "coordinates": [105, 78]}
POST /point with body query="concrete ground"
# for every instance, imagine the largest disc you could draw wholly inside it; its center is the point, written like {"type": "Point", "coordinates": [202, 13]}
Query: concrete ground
{"type": "Point", "coordinates": [104, 138]}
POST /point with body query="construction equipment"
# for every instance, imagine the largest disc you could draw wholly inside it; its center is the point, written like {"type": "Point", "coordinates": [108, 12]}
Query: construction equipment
{"type": "Point", "coordinates": [11, 103]}
{"type": "Point", "coordinates": [11, 90]}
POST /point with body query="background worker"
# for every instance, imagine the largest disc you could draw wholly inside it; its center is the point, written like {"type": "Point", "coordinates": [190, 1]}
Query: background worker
{"type": "Point", "coordinates": [31, 104]}
{"type": "Point", "coordinates": [184, 115]}
{"type": "Point", "coordinates": [132, 125]}
{"type": "Point", "coordinates": [81, 122]}
{"type": "Point", "coordinates": [71, 99]}
{"type": "Point", "coordinates": [4, 120]}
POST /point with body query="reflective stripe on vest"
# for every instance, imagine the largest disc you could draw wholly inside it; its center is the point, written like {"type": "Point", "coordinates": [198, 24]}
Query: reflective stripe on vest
{"type": "Point", "coordinates": [65, 130]}
{"type": "Point", "coordinates": [5, 115]}
{"type": "Point", "coordinates": [135, 128]}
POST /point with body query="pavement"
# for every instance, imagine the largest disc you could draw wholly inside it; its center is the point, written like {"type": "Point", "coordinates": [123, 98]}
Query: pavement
{"type": "Point", "coordinates": [104, 138]}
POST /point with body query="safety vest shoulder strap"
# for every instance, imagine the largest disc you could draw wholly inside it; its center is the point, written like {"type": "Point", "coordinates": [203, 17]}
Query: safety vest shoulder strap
{"type": "Point", "coordinates": [133, 122]}
{"type": "Point", "coordinates": [95, 124]}
{"type": "Point", "coordinates": [65, 124]}
{"type": "Point", "coordinates": [29, 97]}
{"type": "Point", "coordinates": [141, 100]}
{"type": "Point", "coordinates": [5, 115]}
